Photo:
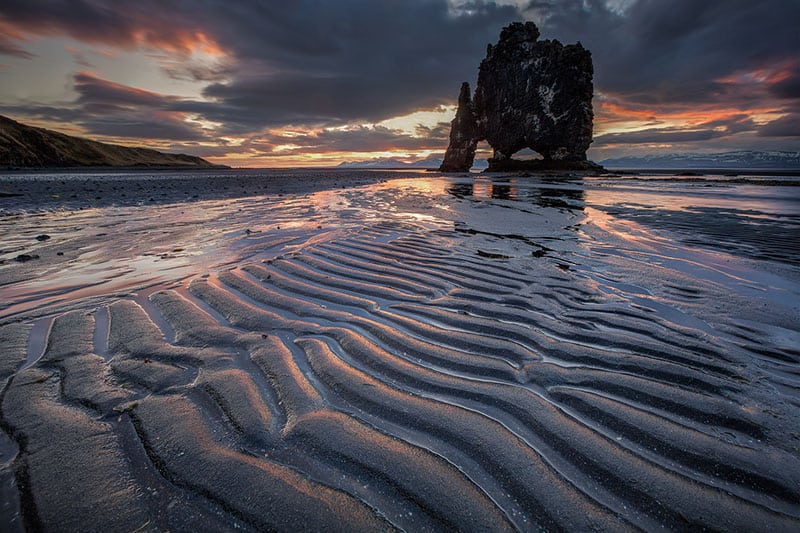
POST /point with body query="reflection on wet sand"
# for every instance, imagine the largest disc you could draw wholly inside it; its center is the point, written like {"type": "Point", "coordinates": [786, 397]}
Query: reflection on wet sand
{"type": "Point", "coordinates": [534, 192]}
{"type": "Point", "coordinates": [427, 353]}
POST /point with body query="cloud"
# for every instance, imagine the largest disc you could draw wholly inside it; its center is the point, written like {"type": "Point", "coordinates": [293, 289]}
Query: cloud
{"type": "Point", "coordinates": [11, 40]}
{"type": "Point", "coordinates": [10, 48]}
{"type": "Point", "coordinates": [42, 112]}
{"type": "Point", "coordinates": [674, 51]}
{"type": "Point", "coordinates": [205, 150]}
{"type": "Point", "coordinates": [94, 90]}
{"type": "Point", "coordinates": [321, 65]}
{"type": "Point", "coordinates": [194, 70]}
{"type": "Point", "coordinates": [439, 132]}
{"type": "Point", "coordinates": [714, 129]}
{"type": "Point", "coordinates": [111, 109]}
{"type": "Point", "coordinates": [656, 136]}
{"type": "Point", "coordinates": [310, 62]}
{"type": "Point", "coordinates": [168, 25]}
{"type": "Point", "coordinates": [786, 126]}
{"type": "Point", "coordinates": [364, 139]}
{"type": "Point", "coordinates": [324, 63]}
{"type": "Point", "coordinates": [116, 110]}
{"type": "Point", "coordinates": [788, 83]}
{"type": "Point", "coordinates": [154, 126]}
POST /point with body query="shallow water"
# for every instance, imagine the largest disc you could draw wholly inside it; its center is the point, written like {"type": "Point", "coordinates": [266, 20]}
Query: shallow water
{"type": "Point", "coordinates": [424, 352]}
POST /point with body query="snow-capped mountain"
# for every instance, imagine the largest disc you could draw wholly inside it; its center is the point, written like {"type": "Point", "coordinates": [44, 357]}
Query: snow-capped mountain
{"type": "Point", "coordinates": [728, 160]}
{"type": "Point", "coordinates": [431, 162]}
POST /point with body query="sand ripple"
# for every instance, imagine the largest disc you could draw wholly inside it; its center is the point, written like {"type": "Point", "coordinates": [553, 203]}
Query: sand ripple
{"type": "Point", "coordinates": [390, 377]}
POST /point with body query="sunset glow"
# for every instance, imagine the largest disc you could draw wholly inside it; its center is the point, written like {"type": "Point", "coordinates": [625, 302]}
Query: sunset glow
{"type": "Point", "coordinates": [246, 87]}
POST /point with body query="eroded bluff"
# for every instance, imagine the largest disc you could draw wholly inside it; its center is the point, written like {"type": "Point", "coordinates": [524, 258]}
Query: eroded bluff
{"type": "Point", "coordinates": [530, 94]}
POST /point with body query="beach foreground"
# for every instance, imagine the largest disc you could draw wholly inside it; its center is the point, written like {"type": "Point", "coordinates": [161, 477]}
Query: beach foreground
{"type": "Point", "coordinates": [379, 351]}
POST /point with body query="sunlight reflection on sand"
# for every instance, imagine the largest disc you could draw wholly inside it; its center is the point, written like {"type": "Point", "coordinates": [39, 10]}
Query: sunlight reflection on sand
{"type": "Point", "coordinates": [567, 348]}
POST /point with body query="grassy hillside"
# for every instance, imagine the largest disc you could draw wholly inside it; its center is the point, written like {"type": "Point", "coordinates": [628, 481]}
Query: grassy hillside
{"type": "Point", "coordinates": [24, 146]}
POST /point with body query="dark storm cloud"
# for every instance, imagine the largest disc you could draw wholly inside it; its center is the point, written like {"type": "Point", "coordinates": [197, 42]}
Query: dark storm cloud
{"type": "Point", "coordinates": [123, 24]}
{"type": "Point", "coordinates": [111, 109]}
{"type": "Point", "coordinates": [788, 87]}
{"type": "Point", "coordinates": [363, 139]}
{"type": "Point", "coordinates": [195, 71]}
{"type": "Point", "coordinates": [117, 110]}
{"type": "Point", "coordinates": [43, 112]}
{"type": "Point", "coordinates": [323, 63]}
{"type": "Point", "coordinates": [440, 131]}
{"type": "Point", "coordinates": [93, 90]}
{"type": "Point", "coordinates": [674, 51]}
{"type": "Point", "coordinates": [9, 48]}
{"type": "Point", "coordinates": [301, 62]}
{"type": "Point", "coordinates": [786, 126]}
{"type": "Point", "coordinates": [149, 127]}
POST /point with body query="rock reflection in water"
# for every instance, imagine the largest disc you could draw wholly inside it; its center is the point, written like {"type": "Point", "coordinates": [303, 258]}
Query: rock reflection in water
{"type": "Point", "coordinates": [541, 193]}
{"type": "Point", "coordinates": [426, 353]}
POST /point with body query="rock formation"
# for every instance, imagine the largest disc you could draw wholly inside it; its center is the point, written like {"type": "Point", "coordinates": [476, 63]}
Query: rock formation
{"type": "Point", "coordinates": [463, 135]}
{"type": "Point", "coordinates": [530, 94]}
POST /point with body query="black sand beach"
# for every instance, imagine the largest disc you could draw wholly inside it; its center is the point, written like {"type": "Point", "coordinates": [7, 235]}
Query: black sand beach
{"type": "Point", "coordinates": [309, 350]}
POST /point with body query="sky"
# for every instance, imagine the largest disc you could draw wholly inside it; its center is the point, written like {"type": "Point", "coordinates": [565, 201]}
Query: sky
{"type": "Point", "coordinates": [317, 82]}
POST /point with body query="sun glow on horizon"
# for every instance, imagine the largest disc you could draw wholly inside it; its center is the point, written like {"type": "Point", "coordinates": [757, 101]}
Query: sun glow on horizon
{"type": "Point", "coordinates": [426, 129]}
{"type": "Point", "coordinates": [426, 118]}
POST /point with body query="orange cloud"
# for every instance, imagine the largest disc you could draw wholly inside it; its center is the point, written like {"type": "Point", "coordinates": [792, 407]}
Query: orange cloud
{"type": "Point", "coordinates": [129, 31]}
{"type": "Point", "coordinates": [11, 31]}
{"type": "Point", "coordinates": [767, 75]}
{"type": "Point", "coordinates": [614, 115]}
{"type": "Point", "coordinates": [182, 42]}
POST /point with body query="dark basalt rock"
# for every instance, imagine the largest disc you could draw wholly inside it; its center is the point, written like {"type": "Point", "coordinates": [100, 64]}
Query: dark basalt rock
{"type": "Point", "coordinates": [463, 135]}
{"type": "Point", "coordinates": [556, 166]}
{"type": "Point", "coordinates": [530, 94]}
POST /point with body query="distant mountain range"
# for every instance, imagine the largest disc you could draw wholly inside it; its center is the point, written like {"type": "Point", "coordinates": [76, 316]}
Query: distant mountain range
{"type": "Point", "coordinates": [390, 162]}
{"type": "Point", "coordinates": [745, 159]}
{"type": "Point", "coordinates": [23, 146]}
{"type": "Point", "coordinates": [394, 163]}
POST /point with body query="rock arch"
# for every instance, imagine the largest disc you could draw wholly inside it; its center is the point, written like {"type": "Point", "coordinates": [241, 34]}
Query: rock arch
{"type": "Point", "coordinates": [530, 94]}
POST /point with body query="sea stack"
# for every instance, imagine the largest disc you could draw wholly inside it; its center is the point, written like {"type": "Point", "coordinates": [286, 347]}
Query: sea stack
{"type": "Point", "coordinates": [531, 93]}
{"type": "Point", "coordinates": [464, 135]}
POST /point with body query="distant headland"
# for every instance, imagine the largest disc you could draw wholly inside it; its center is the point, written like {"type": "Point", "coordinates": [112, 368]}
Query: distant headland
{"type": "Point", "coordinates": [23, 146]}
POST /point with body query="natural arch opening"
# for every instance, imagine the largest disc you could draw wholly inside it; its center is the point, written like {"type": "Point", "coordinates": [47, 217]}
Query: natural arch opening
{"type": "Point", "coordinates": [526, 154]}
{"type": "Point", "coordinates": [482, 154]}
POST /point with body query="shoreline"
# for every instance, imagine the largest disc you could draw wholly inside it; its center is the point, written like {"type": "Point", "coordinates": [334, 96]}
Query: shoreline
{"type": "Point", "coordinates": [115, 168]}
{"type": "Point", "coordinates": [37, 191]}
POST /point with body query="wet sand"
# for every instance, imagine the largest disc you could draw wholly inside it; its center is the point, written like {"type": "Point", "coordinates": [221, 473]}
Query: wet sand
{"type": "Point", "coordinates": [379, 351]}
